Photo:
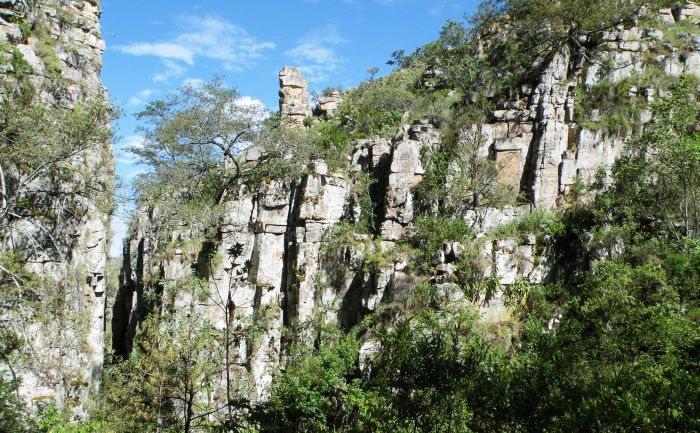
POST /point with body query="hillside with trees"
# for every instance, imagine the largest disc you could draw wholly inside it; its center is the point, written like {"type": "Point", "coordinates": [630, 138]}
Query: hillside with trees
{"type": "Point", "coordinates": [500, 235]}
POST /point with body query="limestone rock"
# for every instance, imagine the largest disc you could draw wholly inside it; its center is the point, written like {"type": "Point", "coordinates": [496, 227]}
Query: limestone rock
{"type": "Point", "coordinates": [294, 96]}
{"type": "Point", "coordinates": [328, 105]}
{"type": "Point", "coordinates": [51, 370]}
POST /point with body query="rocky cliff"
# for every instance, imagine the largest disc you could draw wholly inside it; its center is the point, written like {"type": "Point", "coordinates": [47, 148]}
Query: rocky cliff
{"type": "Point", "coordinates": [58, 47]}
{"type": "Point", "coordinates": [543, 138]}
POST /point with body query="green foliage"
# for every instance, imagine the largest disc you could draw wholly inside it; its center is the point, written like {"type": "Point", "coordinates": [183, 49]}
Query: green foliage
{"type": "Point", "coordinates": [618, 106]}
{"type": "Point", "coordinates": [46, 50]}
{"type": "Point", "coordinates": [376, 107]}
{"type": "Point", "coordinates": [13, 417]}
{"type": "Point", "coordinates": [627, 350]}
{"type": "Point", "coordinates": [174, 361]}
{"type": "Point", "coordinates": [65, 17]}
{"type": "Point", "coordinates": [436, 374]}
{"type": "Point", "coordinates": [362, 185]}
{"type": "Point", "coordinates": [538, 29]}
{"type": "Point", "coordinates": [619, 351]}
{"type": "Point", "coordinates": [459, 177]}
{"type": "Point", "coordinates": [430, 375]}
{"type": "Point", "coordinates": [53, 420]}
{"type": "Point", "coordinates": [290, 153]}
{"type": "Point", "coordinates": [431, 232]}
{"type": "Point", "coordinates": [617, 110]}
{"type": "Point", "coordinates": [331, 144]}
{"type": "Point", "coordinates": [329, 91]}
{"type": "Point", "coordinates": [657, 186]}
{"type": "Point", "coordinates": [539, 223]}
{"type": "Point", "coordinates": [47, 186]}
{"type": "Point", "coordinates": [25, 28]}
{"type": "Point", "coordinates": [320, 392]}
{"type": "Point", "coordinates": [192, 145]}
{"type": "Point", "coordinates": [12, 57]}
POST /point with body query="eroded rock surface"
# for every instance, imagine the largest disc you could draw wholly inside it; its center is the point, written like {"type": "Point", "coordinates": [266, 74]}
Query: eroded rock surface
{"type": "Point", "coordinates": [540, 148]}
{"type": "Point", "coordinates": [294, 96]}
{"type": "Point", "coordinates": [62, 360]}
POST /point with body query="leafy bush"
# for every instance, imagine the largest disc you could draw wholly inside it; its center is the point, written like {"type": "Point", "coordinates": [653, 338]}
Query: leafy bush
{"type": "Point", "coordinates": [25, 28]}
{"type": "Point", "coordinates": [430, 233]}
{"type": "Point", "coordinates": [375, 108]}
{"type": "Point", "coordinates": [539, 223]}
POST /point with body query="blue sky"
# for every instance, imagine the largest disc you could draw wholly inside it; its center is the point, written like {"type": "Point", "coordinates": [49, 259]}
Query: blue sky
{"type": "Point", "coordinates": [156, 46]}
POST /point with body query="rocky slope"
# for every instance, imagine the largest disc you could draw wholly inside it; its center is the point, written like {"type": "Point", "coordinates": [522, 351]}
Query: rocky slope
{"type": "Point", "coordinates": [62, 359]}
{"type": "Point", "coordinates": [541, 147]}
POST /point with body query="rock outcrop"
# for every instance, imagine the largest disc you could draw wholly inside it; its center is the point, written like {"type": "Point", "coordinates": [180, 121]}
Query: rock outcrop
{"type": "Point", "coordinates": [62, 359]}
{"type": "Point", "coordinates": [540, 148]}
{"type": "Point", "coordinates": [328, 105]}
{"type": "Point", "coordinates": [294, 96]}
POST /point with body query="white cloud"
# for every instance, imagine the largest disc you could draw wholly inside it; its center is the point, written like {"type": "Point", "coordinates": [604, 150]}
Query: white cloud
{"type": "Point", "coordinates": [172, 70]}
{"type": "Point", "coordinates": [315, 53]}
{"type": "Point", "coordinates": [221, 40]}
{"type": "Point", "coordinates": [192, 82]}
{"type": "Point", "coordinates": [141, 97]}
{"type": "Point", "coordinates": [214, 38]}
{"type": "Point", "coordinates": [131, 141]}
{"type": "Point", "coordinates": [119, 229]}
{"type": "Point", "coordinates": [133, 174]}
{"type": "Point", "coordinates": [249, 102]}
{"type": "Point", "coordinates": [122, 155]}
{"type": "Point", "coordinates": [163, 50]}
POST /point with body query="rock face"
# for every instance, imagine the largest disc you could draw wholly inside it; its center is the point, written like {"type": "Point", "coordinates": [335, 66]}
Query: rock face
{"type": "Point", "coordinates": [328, 105]}
{"type": "Point", "coordinates": [62, 360]}
{"type": "Point", "coordinates": [541, 149]}
{"type": "Point", "coordinates": [294, 96]}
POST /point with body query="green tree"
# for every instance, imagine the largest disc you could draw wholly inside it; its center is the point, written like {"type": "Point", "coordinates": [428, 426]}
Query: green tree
{"type": "Point", "coordinates": [538, 29]}
{"type": "Point", "coordinates": [320, 390]}
{"type": "Point", "coordinates": [623, 354]}
{"type": "Point", "coordinates": [33, 175]}
{"type": "Point", "coordinates": [192, 145]}
{"type": "Point", "coordinates": [13, 417]}
{"type": "Point", "coordinates": [658, 185]}
{"type": "Point", "coordinates": [166, 383]}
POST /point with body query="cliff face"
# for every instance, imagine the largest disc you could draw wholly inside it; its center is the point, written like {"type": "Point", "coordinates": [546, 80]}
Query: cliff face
{"type": "Point", "coordinates": [279, 231]}
{"type": "Point", "coordinates": [61, 360]}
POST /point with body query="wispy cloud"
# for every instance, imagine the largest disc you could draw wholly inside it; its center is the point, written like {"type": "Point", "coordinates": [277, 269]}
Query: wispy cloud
{"type": "Point", "coordinates": [141, 97]}
{"type": "Point", "coordinates": [315, 53]}
{"type": "Point", "coordinates": [172, 70]}
{"type": "Point", "coordinates": [193, 82]}
{"type": "Point", "coordinates": [214, 38]}
{"type": "Point", "coordinates": [130, 142]}
{"type": "Point", "coordinates": [164, 50]}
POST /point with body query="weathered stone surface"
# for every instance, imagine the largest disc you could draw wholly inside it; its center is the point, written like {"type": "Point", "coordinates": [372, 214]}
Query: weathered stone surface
{"type": "Point", "coordinates": [294, 96]}
{"type": "Point", "coordinates": [540, 150]}
{"type": "Point", "coordinates": [63, 359]}
{"type": "Point", "coordinates": [328, 105]}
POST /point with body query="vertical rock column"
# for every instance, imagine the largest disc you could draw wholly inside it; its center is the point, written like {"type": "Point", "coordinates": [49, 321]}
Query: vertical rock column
{"type": "Point", "coordinates": [63, 355]}
{"type": "Point", "coordinates": [294, 96]}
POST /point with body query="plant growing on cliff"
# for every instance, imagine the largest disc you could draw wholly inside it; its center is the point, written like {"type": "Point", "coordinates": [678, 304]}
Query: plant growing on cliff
{"type": "Point", "coordinates": [193, 132]}
{"type": "Point", "coordinates": [32, 173]}
{"type": "Point", "coordinates": [658, 185]}
{"type": "Point", "coordinates": [460, 175]}
{"type": "Point", "coordinates": [167, 382]}
{"type": "Point", "coordinates": [376, 107]}
{"type": "Point", "coordinates": [537, 30]}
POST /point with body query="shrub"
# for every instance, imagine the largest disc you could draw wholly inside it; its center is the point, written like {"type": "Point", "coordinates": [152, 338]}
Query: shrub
{"type": "Point", "coordinates": [376, 107]}
{"type": "Point", "coordinates": [539, 223]}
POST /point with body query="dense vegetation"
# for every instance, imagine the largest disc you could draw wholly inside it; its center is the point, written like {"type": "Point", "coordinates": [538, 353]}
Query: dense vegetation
{"type": "Point", "coordinates": [610, 343]}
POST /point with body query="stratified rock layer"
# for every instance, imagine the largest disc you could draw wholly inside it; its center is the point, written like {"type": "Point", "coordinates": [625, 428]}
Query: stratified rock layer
{"type": "Point", "coordinates": [62, 359]}
{"type": "Point", "coordinates": [294, 96]}
{"type": "Point", "coordinates": [541, 150]}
